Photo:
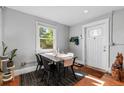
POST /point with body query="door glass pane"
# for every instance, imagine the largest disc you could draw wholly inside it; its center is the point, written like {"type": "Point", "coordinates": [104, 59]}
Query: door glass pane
{"type": "Point", "coordinates": [95, 32]}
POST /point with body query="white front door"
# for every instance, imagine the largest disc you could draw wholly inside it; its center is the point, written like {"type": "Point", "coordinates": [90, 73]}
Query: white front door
{"type": "Point", "coordinates": [97, 44]}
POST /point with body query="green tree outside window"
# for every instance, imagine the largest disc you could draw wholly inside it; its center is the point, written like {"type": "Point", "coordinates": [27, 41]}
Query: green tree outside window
{"type": "Point", "coordinates": [46, 37]}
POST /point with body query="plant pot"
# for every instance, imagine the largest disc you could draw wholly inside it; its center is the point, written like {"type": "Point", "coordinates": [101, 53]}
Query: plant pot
{"type": "Point", "coordinates": [10, 64]}
{"type": "Point", "coordinates": [3, 57]}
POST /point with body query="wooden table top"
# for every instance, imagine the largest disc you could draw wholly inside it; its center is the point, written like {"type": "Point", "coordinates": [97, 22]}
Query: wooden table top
{"type": "Point", "coordinates": [56, 58]}
{"type": "Point", "coordinates": [52, 57]}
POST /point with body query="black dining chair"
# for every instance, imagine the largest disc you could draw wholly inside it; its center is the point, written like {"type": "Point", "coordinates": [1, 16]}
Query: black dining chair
{"type": "Point", "coordinates": [39, 62]}
{"type": "Point", "coordinates": [70, 63]}
{"type": "Point", "coordinates": [49, 69]}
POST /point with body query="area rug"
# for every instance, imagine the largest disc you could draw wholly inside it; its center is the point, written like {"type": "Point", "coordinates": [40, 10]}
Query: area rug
{"type": "Point", "coordinates": [34, 79]}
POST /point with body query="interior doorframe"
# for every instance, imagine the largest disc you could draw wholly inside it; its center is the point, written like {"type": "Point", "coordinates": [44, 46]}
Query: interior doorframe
{"type": "Point", "coordinates": [84, 52]}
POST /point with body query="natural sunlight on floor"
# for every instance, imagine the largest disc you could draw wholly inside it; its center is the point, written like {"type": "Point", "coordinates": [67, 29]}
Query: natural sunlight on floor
{"type": "Point", "coordinates": [95, 81]}
{"type": "Point", "coordinates": [79, 74]}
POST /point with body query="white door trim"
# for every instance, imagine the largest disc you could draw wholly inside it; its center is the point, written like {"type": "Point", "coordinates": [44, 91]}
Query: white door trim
{"type": "Point", "coordinates": [106, 21]}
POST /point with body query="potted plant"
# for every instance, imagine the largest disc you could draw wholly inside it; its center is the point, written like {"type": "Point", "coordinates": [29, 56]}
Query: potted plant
{"type": "Point", "coordinates": [4, 51]}
{"type": "Point", "coordinates": [13, 54]}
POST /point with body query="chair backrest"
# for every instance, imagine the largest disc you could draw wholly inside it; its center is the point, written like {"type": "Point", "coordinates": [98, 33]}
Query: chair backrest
{"type": "Point", "coordinates": [46, 63]}
{"type": "Point", "coordinates": [74, 60]}
{"type": "Point", "coordinates": [39, 60]}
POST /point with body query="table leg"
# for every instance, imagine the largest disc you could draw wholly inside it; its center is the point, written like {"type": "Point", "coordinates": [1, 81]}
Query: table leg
{"type": "Point", "coordinates": [59, 71]}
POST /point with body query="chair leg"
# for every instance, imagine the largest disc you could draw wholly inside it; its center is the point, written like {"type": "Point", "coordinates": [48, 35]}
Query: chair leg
{"type": "Point", "coordinates": [54, 78]}
{"type": "Point", "coordinates": [73, 72]}
{"type": "Point", "coordinates": [37, 68]}
{"type": "Point", "coordinates": [64, 72]}
{"type": "Point", "coordinates": [40, 67]}
{"type": "Point", "coordinates": [65, 69]}
{"type": "Point", "coordinates": [48, 78]}
{"type": "Point", "coordinates": [43, 76]}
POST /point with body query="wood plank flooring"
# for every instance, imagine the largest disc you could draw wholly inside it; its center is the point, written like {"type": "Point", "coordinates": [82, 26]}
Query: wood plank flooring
{"type": "Point", "coordinates": [97, 78]}
{"type": "Point", "coordinates": [91, 71]}
{"type": "Point", "coordinates": [106, 80]}
{"type": "Point", "coordinates": [94, 78]}
{"type": "Point", "coordinates": [14, 82]}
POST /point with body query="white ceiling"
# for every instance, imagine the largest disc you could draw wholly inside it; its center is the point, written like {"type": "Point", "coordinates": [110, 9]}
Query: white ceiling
{"type": "Point", "coordinates": [68, 15]}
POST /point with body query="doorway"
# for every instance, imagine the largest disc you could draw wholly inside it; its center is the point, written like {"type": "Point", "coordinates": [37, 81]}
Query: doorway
{"type": "Point", "coordinates": [97, 44]}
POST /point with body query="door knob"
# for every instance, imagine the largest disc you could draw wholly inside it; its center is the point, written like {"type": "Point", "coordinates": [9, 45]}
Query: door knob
{"type": "Point", "coordinates": [104, 49]}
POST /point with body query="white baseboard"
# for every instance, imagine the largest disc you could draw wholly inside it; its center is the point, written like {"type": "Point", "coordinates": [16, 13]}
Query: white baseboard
{"type": "Point", "coordinates": [109, 70]}
{"type": "Point", "coordinates": [33, 68]}
{"type": "Point", "coordinates": [25, 70]}
{"type": "Point", "coordinates": [82, 62]}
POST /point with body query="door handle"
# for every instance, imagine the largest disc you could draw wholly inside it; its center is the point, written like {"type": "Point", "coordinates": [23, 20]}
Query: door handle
{"type": "Point", "coordinates": [104, 49]}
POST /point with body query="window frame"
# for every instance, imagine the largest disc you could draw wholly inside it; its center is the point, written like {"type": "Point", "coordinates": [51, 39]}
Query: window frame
{"type": "Point", "coordinates": [38, 48]}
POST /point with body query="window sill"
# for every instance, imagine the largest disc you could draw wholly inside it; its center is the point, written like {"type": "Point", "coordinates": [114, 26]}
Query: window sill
{"type": "Point", "coordinates": [44, 50]}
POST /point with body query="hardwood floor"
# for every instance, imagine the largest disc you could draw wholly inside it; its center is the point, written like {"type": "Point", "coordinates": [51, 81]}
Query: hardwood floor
{"type": "Point", "coordinates": [94, 78]}
{"type": "Point", "coordinates": [14, 82]}
{"type": "Point", "coordinates": [106, 80]}
{"type": "Point", "coordinates": [97, 78]}
{"type": "Point", "coordinates": [91, 71]}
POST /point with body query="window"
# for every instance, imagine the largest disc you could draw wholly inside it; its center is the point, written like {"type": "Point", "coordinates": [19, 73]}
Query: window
{"type": "Point", "coordinates": [95, 32]}
{"type": "Point", "coordinates": [45, 37]}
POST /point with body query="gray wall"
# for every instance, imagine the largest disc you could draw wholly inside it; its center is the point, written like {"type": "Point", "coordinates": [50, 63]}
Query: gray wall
{"type": "Point", "coordinates": [19, 32]}
{"type": "Point", "coordinates": [76, 30]}
{"type": "Point", "coordinates": [116, 35]}
{"type": "Point", "coordinates": [77, 50]}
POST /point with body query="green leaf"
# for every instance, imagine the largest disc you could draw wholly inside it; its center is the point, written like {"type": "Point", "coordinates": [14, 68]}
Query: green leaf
{"type": "Point", "coordinates": [13, 54]}
{"type": "Point", "coordinates": [4, 48]}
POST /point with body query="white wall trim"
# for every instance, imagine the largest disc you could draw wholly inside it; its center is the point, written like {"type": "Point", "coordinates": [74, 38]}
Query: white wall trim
{"type": "Point", "coordinates": [98, 22]}
{"type": "Point", "coordinates": [37, 44]}
{"type": "Point", "coordinates": [24, 70]}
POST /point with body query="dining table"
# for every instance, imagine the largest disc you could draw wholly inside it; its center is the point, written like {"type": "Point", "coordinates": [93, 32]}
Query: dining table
{"type": "Point", "coordinates": [51, 56]}
{"type": "Point", "coordinates": [57, 59]}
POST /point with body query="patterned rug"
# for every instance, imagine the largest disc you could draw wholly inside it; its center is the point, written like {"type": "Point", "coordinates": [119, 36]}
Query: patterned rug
{"type": "Point", "coordinates": [34, 79]}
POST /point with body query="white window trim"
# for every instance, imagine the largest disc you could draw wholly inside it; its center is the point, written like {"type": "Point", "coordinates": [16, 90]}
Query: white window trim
{"type": "Point", "coordinates": [38, 49]}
